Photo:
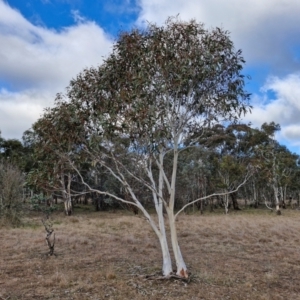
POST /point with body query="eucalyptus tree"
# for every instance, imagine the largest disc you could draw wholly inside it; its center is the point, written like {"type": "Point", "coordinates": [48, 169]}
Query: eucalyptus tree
{"type": "Point", "coordinates": [193, 177]}
{"type": "Point", "coordinates": [28, 142]}
{"type": "Point", "coordinates": [276, 164]}
{"type": "Point", "coordinates": [229, 157]}
{"type": "Point", "coordinates": [229, 171]}
{"type": "Point", "coordinates": [16, 152]}
{"type": "Point", "coordinates": [12, 151]}
{"type": "Point", "coordinates": [287, 169]}
{"type": "Point", "coordinates": [50, 137]}
{"type": "Point", "coordinates": [153, 98]}
{"type": "Point", "coordinates": [294, 191]}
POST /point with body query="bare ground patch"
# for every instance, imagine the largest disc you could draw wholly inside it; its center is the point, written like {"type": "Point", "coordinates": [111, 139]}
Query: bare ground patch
{"type": "Point", "coordinates": [107, 255]}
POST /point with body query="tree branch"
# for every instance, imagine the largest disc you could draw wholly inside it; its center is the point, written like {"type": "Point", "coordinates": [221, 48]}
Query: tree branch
{"type": "Point", "coordinates": [215, 194]}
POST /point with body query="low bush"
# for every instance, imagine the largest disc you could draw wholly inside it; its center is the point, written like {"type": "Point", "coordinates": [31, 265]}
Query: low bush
{"type": "Point", "coordinates": [11, 194]}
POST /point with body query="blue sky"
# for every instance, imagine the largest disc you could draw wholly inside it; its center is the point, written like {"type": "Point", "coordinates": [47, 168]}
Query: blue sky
{"type": "Point", "coordinates": [45, 43]}
{"type": "Point", "coordinates": [112, 16]}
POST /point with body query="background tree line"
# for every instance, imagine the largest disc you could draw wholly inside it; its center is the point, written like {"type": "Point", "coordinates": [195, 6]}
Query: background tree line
{"type": "Point", "coordinates": [218, 163]}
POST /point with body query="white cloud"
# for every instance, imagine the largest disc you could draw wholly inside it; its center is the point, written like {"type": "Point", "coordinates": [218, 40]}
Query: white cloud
{"type": "Point", "coordinates": [19, 110]}
{"type": "Point", "coordinates": [262, 29]}
{"type": "Point", "coordinates": [292, 133]}
{"type": "Point", "coordinates": [283, 108]}
{"type": "Point", "coordinates": [285, 88]}
{"type": "Point", "coordinates": [77, 17]}
{"type": "Point", "coordinates": [52, 57]}
{"type": "Point", "coordinates": [36, 63]}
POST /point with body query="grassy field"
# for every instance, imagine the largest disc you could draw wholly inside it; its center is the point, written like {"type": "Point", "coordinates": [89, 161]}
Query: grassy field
{"type": "Point", "coordinates": [244, 255]}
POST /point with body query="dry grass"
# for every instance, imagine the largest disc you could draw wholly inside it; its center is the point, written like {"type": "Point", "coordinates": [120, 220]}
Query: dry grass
{"type": "Point", "coordinates": [103, 255]}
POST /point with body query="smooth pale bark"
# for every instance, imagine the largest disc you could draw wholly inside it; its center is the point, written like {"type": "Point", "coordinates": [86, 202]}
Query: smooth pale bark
{"type": "Point", "coordinates": [255, 198]}
{"type": "Point", "coordinates": [160, 231]}
{"type": "Point", "coordinates": [66, 191]}
{"type": "Point", "coordinates": [161, 234]}
{"type": "Point", "coordinates": [181, 269]}
{"type": "Point", "coordinates": [167, 263]}
{"type": "Point", "coordinates": [158, 202]}
{"type": "Point", "coordinates": [278, 212]}
{"type": "Point", "coordinates": [275, 184]}
{"type": "Point", "coordinates": [226, 204]}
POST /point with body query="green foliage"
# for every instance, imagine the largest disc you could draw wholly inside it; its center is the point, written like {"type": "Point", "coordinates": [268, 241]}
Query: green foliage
{"type": "Point", "coordinates": [17, 153]}
{"type": "Point", "coordinates": [158, 83]}
{"type": "Point", "coordinates": [40, 203]}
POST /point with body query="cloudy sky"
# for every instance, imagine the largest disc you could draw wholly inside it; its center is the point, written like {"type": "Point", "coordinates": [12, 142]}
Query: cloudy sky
{"type": "Point", "coordinates": [45, 43]}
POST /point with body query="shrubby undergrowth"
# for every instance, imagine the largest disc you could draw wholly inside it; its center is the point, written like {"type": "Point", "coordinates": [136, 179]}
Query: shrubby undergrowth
{"type": "Point", "coordinates": [11, 194]}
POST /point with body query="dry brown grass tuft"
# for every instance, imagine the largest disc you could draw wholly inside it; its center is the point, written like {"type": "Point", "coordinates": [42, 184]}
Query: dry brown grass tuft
{"type": "Point", "coordinates": [110, 274]}
{"type": "Point", "coordinates": [104, 256]}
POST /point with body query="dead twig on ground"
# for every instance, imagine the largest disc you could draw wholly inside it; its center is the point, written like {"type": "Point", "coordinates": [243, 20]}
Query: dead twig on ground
{"type": "Point", "coordinates": [168, 277]}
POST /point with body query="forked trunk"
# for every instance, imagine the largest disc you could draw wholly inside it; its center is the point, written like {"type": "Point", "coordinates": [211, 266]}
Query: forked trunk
{"type": "Point", "coordinates": [158, 199]}
{"type": "Point", "coordinates": [161, 234]}
{"type": "Point", "coordinates": [181, 269]}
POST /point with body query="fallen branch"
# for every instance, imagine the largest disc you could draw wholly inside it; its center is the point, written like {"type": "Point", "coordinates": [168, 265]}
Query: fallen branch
{"type": "Point", "coordinates": [50, 240]}
{"type": "Point", "coordinates": [168, 277]}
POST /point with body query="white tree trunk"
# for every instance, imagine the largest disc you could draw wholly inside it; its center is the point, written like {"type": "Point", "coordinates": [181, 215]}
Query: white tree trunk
{"type": "Point", "coordinates": [161, 234]}
{"type": "Point", "coordinates": [67, 194]}
{"type": "Point", "coordinates": [68, 205]}
{"type": "Point", "coordinates": [181, 269]}
{"type": "Point", "coordinates": [226, 203]}
{"type": "Point", "coordinates": [254, 194]}
{"type": "Point", "coordinates": [158, 199]}
{"type": "Point", "coordinates": [167, 263]}
{"type": "Point", "coordinates": [278, 212]}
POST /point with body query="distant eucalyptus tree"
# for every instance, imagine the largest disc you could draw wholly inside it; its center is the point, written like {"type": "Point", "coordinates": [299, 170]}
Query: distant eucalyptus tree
{"type": "Point", "coordinates": [277, 164]}
{"type": "Point", "coordinates": [52, 172]}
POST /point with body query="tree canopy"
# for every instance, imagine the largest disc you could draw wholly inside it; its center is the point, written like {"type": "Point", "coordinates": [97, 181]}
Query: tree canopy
{"type": "Point", "coordinates": [153, 98]}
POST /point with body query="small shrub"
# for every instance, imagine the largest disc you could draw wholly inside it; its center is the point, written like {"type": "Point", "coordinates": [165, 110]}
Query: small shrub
{"type": "Point", "coordinates": [38, 202]}
{"type": "Point", "coordinates": [11, 194]}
